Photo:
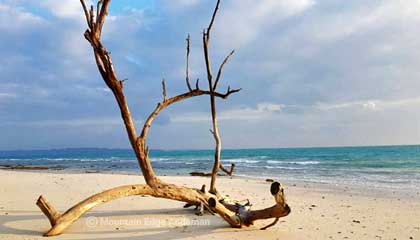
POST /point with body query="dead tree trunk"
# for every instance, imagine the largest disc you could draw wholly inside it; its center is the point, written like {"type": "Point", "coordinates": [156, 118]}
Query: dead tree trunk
{"type": "Point", "coordinates": [234, 214]}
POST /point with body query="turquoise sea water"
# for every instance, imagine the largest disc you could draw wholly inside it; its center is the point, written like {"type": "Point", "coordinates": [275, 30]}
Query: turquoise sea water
{"type": "Point", "coordinates": [396, 167]}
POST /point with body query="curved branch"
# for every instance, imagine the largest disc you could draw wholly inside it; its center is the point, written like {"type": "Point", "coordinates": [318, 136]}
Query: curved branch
{"type": "Point", "coordinates": [248, 216]}
{"type": "Point", "coordinates": [63, 221]}
{"type": "Point", "coordinates": [219, 73]}
{"type": "Point", "coordinates": [271, 224]}
{"type": "Point", "coordinates": [60, 222]}
{"type": "Point", "coordinates": [227, 94]}
{"type": "Point", "coordinates": [162, 105]}
{"type": "Point", "coordinates": [234, 214]}
{"type": "Point", "coordinates": [228, 172]}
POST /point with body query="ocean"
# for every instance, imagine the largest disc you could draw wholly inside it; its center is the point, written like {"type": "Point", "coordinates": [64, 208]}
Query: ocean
{"type": "Point", "coordinates": [385, 167]}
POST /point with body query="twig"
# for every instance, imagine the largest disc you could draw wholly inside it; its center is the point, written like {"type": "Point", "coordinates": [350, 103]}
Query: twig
{"type": "Point", "coordinates": [187, 77]}
{"type": "Point", "coordinates": [212, 20]}
{"type": "Point", "coordinates": [164, 90]}
{"type": "Point", "coordinates": [196, 84]}
{"type": "Point", "coordinates": [219, 73]}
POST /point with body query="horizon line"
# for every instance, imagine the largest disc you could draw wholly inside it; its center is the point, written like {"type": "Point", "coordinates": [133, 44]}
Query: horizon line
{"type": "Point", "coordinates": [203, 149]}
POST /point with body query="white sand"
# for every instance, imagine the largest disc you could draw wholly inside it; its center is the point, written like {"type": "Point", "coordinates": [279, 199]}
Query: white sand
{"type": "Point", "coordinates": [317, 212]}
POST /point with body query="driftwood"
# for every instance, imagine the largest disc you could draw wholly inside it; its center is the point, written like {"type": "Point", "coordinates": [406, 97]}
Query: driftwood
{"type": "Point", "coordinates": [202, 174]}
{"type": "Point", "coordinates": [234, 213]}
{"type": "Point", "coordinates": [37, 168]}
{"type": "Point", "coordinates": [221, 168]}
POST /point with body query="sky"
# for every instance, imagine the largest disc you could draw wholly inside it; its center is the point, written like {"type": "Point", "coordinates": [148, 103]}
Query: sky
{"type": "Point", "coordinates": [313, 73]}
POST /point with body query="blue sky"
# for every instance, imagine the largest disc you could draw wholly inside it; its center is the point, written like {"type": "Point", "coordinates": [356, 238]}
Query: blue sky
{"type": "Point", "coordinates": [313, 73]}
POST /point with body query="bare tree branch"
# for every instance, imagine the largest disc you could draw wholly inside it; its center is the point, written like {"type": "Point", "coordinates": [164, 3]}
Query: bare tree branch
{"type": "Point", "coordinates": [207, 60]}
{"type": "Point", "coordinates": [164, 90]}
{"type": "Point", "coordinates": [100, 19]}
{"type": "Point", "coordinates": [219, 73]}
{"type": "Point", "coordinates": [87, 15]}
{"type": "Point", "coordinates": [187, 77]}
{"type": "Point", "coordinates": [169, 101]}
{"type": "Point", "coordinates": [228, 172]}
{"type": "Point", "coordinates": [92, 16]}
{"type": "Point", "coordinates": [196, 83]}
{"type": "Point", "coordinates": [98, 8]}
{"type": "Point", "coordinates": [212, 20]}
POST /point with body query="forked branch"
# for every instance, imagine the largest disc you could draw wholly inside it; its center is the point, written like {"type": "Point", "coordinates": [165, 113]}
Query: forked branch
{"type": "Point", "coordinates": [230, 171]}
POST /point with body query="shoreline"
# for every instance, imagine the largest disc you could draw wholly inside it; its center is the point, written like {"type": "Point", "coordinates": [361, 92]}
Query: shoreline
{"type": "Point", "coordinates": [359, 190]}
{"type": "Point", "coordinates": [380, 170]}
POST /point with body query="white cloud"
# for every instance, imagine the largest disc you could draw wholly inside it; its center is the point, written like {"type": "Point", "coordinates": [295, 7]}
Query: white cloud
{"type": "Point", "coordinates": [269, 107]}
{"type": "Point", "coordinates": [241, 21]}
{"type": "Point", "coordinates": [341, 24]}
{"type": "Point", "coordinates": [370, 104]}
{"type": "Point", "coordinates": [14, 19]}
{"type": "Point", "coordinates": [348, 70]}
{"type": "Point", "coordinates": [65, 8]}
{"type": "Point", "coordinates": [261, 111]}
{"type": "Point", "coordinates": [267, 111]}
{"type": "Point", "coordinates": [7, 96]}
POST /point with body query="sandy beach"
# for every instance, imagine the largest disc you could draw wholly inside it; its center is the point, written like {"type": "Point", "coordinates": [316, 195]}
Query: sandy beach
{"type": "Point", "coordinates": [318, 212]}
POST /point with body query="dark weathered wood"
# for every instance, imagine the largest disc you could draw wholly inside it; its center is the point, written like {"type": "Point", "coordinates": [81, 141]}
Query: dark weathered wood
{"type": "Point", "coordinates": [228, 172]}
{"type": "Point", "coordinates": [222, 168]}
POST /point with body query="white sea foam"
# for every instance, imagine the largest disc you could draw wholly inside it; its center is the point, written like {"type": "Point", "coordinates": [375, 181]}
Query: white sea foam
{"type": "Point", "coordinates": [294, 162]}
{"type": "Point", "coordinates": [280, 167]}
{"type": "Point", "coordinates": [160, 159]}
{"type": "Point", "coordinates": [242, 160]}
